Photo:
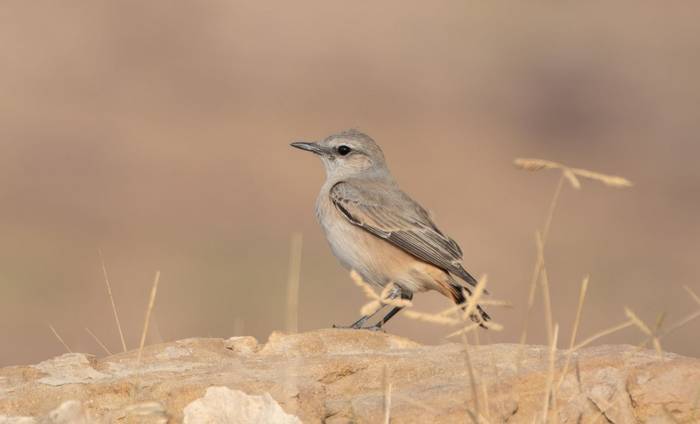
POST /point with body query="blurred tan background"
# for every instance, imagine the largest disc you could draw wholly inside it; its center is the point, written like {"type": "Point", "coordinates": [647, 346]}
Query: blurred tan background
{"type": "Point", "coordinates": [158, 132]}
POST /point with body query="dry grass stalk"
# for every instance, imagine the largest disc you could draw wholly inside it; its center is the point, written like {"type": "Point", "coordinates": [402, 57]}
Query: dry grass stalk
{"type": "Point", "coordinates": [687, 319]}
{"type": "Point", "coordinates": [370, 308]}
{"type": "Point", "coordinates": [293, 278]}
{"type": "Point", "coordinates": [657, 330]}
{"type": "Point", "coordinates": [464, 331]}
{"type": "Point", "coordinates": [470, 307]}
{"type": "Point", "coordinates": [646, 330]}
{"type": "Point", "coordinates": [151, 303]}
{"type": "Point", "coordinates": [366, 288]}
{"type": "Point", "coordinates": [111, 299]}
{"type": "Point", "coordinates": [476, 415]}
{"type": "Point", "coordinates": [483, 302]}
{"type": "Point", "coordinates": [482, 382]}
{"type": "Point", "coordinates": [539, 263]}
{"type": "Point", "coordinates": [387, 396]}
{"type": "Point", "coordinates": [539, 269]}
{"type": "Point", "coordinates": [493, 326]}
{"type": "Point", "coordinates": [398, 303]}
{"type": "Point", "coordinates": [655, 337]}
{"type": "Point", "coordinates": [380, 300]}
{"type": "Point", "coordinates": [530, 300]}
{"type": "Point", "coordinates": [60, 339]}
{"type": "Point", "coordinates": [98, 341]}
{"type": "Point", "coordinates": [680, 323]}
{"type": "Point", "coordinates": [546, 299]}
{"type": "Point", "coordinates": [490, 325]}
{"type": "Point", "coordinates": [550, 211]}
{"type": "Point", "coordinates": [539, 164]}
{"type": "Point", "coordinates": [473, 300]}
{"type": "Point", "coordinates": [431, 318]}
{"type": "Point", "coordinates": [550, 394]}
{"type": "Point", "coordinates": [603, 333]}
{"type": "Point", "coordinates": [579, 310]}
{"type": "Point", "coordinates": [441, 318]}
{"type": "Point", "coordinates": [569, 175]}
{"type": "Point", "coordinates": [638, 322]}
{"type": "Point", "coordinates": [692, 294]}
{"type": "Point", "coordinates": [608, 180]}
{"type": "Point", "coordinates": [530, 164]}
{"type": "Point", "coordinates": [496, 302]}
{"type": "Point", "coordinates": [574, 331]}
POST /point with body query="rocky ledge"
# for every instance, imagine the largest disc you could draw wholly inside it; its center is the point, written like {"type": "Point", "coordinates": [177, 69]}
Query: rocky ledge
{"type": "Point", "coordinates": [341, 376]}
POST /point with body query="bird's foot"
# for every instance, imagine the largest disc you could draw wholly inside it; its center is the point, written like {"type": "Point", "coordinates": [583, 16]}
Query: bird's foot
{"type": "Point", "coordinates": [355, 325]}
{"type": "Point", "coordinates": [344, 327]}
{"type": "Point", "coordinates": [375, 327]}
{"type": "Point", "coordinates": [348, 327]}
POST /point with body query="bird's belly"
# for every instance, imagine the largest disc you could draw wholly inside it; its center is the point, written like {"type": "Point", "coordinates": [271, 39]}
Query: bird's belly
{"type": "Point", "coordinates": [357, 250]}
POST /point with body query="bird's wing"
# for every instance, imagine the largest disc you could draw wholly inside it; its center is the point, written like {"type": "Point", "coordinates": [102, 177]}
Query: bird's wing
{"type": "Point", "coordinates": [390, 214]}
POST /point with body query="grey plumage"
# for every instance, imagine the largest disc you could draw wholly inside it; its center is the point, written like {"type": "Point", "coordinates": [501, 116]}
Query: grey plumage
{"type": "Point", "coordinates": [387, 212]}
{"type": "Point", "coordinates": [379, 231]}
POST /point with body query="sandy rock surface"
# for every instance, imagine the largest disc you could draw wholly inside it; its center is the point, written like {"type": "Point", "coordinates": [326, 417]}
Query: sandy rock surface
{"type": "Point", "coordinates": [341, 376]}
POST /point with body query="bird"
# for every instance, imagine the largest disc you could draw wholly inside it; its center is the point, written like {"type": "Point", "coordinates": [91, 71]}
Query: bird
{"type": "Point", "coordinates": [379, 231]}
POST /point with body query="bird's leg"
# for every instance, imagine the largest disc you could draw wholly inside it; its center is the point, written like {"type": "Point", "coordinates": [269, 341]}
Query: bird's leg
{"type": "Point", "coordinates": [360, 322]}
{"type": "Point", "coordinates": [393, 294]}
{"type": "Point", "coordinates": [407, 295]}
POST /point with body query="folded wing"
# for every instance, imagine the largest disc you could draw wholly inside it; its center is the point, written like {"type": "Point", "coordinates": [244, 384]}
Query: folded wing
{"type": "Point", "coordinates": [388, 213]}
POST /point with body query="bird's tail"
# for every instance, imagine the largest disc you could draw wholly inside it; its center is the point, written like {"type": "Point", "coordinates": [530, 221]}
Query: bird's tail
{"type": "Point", "coordinates": [480, 316]}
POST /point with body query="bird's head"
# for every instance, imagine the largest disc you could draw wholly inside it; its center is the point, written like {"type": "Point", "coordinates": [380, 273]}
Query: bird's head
{"type": "Point", "coordinates": [348, 154]}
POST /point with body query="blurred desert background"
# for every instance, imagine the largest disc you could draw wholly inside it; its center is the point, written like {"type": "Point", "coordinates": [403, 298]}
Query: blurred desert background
{"type": "Point", "coordinates": [159, 133]}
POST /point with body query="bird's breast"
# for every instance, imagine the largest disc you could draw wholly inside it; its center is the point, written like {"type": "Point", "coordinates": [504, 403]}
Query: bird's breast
{"type": "Point", "coordinates": [343, 237]}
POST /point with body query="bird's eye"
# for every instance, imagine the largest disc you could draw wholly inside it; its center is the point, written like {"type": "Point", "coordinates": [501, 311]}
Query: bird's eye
{"type": "Point", "coordinates": [343, 150]}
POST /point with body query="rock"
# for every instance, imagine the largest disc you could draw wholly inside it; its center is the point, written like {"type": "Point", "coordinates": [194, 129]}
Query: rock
{"type": "Point", "coordinates": [341, 376]}
{"type": "Point", "coordinates": [70, 368]}
{"type": "Point", "coordinates": [223, 405]}
{"type": "Point", "coordinates": [243, 345]}
{"type": "Point", "coordinates": [69, 412]}
{"type": "Point", "coordinates": [4, 419]}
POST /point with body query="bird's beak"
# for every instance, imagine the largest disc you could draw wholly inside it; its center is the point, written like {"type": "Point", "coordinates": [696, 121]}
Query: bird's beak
{"type": "Point", "coordinates": [310, 147]}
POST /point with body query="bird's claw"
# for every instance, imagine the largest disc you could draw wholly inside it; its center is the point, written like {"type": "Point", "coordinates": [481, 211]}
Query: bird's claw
{"type": "Point", "coordinates": [375, 327]}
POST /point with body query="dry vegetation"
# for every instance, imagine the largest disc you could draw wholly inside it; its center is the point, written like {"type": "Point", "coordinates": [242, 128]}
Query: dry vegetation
{"type": "Point", "coordinates": [458, 318]}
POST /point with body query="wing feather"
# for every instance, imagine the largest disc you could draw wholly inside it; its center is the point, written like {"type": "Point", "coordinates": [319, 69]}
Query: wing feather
{"type": "Point", "coordinates": [390, 214]}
